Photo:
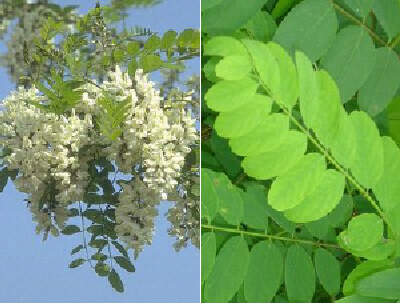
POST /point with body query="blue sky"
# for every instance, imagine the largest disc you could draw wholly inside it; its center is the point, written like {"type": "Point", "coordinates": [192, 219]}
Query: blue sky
{"type": "Point", "coordinates": [36, 271]}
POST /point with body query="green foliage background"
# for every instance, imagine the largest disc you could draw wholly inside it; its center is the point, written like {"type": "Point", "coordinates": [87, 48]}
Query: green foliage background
{"type": "Point", "coordinates": [300, 151]}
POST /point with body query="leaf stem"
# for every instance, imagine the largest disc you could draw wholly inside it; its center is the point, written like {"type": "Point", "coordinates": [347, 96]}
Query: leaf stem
{"type": "Point", "coordinates": [268, 236]}
{"type": "Point", "coordinates": [83, 235]}
{"type": "Point", "coordinates": [394, 42]}
{"type": "Point", "coordinates": [357, 21]}
{"type": "Point", "coordinates": [335, 163]}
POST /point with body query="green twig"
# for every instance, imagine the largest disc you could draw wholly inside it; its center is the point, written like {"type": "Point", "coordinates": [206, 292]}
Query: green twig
{"type": "Point", "coordinates": [268, 236]}
{"type": "Point", "coordinates": [358, 22]}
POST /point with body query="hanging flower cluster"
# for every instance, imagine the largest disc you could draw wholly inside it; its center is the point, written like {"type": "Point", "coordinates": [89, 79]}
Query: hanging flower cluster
{"type": "Point", "coordinates": [44, 147]}
{"type": "Point", "coordinates": [135, 215]}
{"type": "Point", "coordinates": [151, 135]}
{"type": "Point", "coordinates": [52, 151]}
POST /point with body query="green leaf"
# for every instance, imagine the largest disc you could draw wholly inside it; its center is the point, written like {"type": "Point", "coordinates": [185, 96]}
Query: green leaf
{"type": "Point", "coordinates": [224, 46]}
{"type": "Point", "coordinates": [383, 284]}
{"type": "Point", "coordinates": [70, 229]}
{"type": "Point", "coordinates": [228, 95]}
{"type": "Point", "coordinates": [279, 160]}
{"type": "Point", "coordinates": [266, 65]}
{"type": "Point", "coordinates": [328, 271]}
{"type": "Point", "coordinates": [120, 248]}
{"type": "Point", "coordinates": [368, 164]}
{"type": "Point", "coordinates": [133, 48]}
{"type": "Point", "coordinates": [152, 44]}
{"type": "Point", "coordinates": [208, 253]}
{"type": "Point", "coordinates": [210, 201]}
{"type": "Point", "coordinates": [382, 84]}
{"type": "Point", "coordinates": [207, 4]}
{"type": "Point", "coordinates": [299, 275]}
{"type": "Point", "coordinates": [389, 196]}
{"type": "Point", "coordinates": [98, 243]}
{"type": "Point", "coordinates": [322, 111]}
{"type": "Point", "coordinates": [229, 161]}
{"type": "Point", "coordinates": [115, 281]}
{"type": "Point", "coordinates": [329, 190]}
{"type": "Point", "coordinates": [264, 274]}
{"type": "Point", "coordinates": [381, 251]}
{"type": "Point", "coordinates": [248, 117]}
{"type": "Point", "coordinates": [360, 7]}
{"type": "Point", "coordinates": [76, 263]}
{"type": "Point", "coordinates": [321, 229]}
{"type": "Point", "coordinates": [363, 270]}
{"type": "Point", "coordinates": [279, 218]}
{"type": "Point", "coordinates": [261, 26]}
{"type": "Point", "coordinates": [356, 238]}
{"type": "Point", "coordinates": [255, 206]}
{"type": "Point", "coordinates": [125, 263]}
{"type": "Point", "coordinates": [132, 67]}
{"type": "Point", "coordinates": [189, 38]}
{"type": "Point", "coordinates": [301, 28]}
{"type": "Point", "coordinates": [102, 269]}
{"type": "Point", "coordinates": [268, 136]}
{"type": "Point", "coordinates": [350, 60]}
{"type": "Point", "coordinates": [235, 13]}
{"type": "Point", "coordinates": [387, 12]}
{"type": "Point", "coordinates": [229, 271]}
{"type": "Point", "coordinates": [150, 63]}
{"type": "Point", "coordinates": [282, 7]}
{"type": "Point", "coordinates": [233, 67]}
{"type": "Point", "coordinates": [342, 213]}
{"type": "Point", "coordinates": [230, 201]}
{"type": "Point", "coordinates": [118, 55]}
{"type": "Point", "coordinates": [288, 90]}
{"type": "Point", "coordinates": [99, 256]}
{"type": "Point", "coordinates": [168, 40]}
{"type": "Point", "coordinates": [3, 180]}
{"type": "Point", "coordinates": [301, 179]}
{"type": "Point", "coordinates": [361, 299]}
{"type": "Point", "coordinates": [76, 249]}
{"type": "Point", "coordinates": [209, 69]}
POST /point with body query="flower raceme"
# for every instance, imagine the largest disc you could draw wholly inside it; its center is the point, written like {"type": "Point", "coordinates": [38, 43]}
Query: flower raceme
{"type": "Point", "coordinates": [122, 119]}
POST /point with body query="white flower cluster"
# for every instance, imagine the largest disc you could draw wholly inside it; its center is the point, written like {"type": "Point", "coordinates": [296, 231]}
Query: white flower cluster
{"type": "Point", "coordinates": [52, 152]}
{"type": "Point", "coordinates": [135, 215]}
{"type": "Point", "coordinates": [157, 138]}
{"type": "Point", "coordinates": [44, 147]}
{"type": "Point", "coordinates": [184, 217]}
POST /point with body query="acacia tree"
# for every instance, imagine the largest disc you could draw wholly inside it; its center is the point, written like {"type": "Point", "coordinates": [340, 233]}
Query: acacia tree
{"type": "Point", "coordinates": [95, 144]}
